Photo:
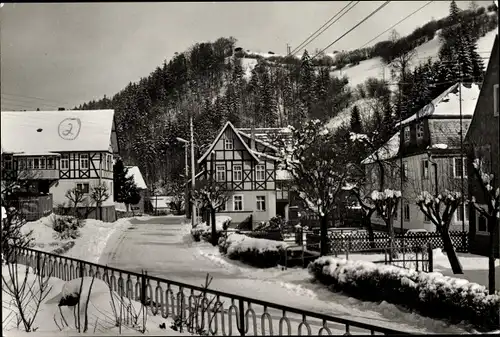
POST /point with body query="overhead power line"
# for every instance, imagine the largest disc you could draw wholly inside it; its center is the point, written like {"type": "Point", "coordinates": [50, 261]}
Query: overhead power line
{"type": "Point", "coordinates": [33, 97]}
{"type": "Point", "coordinates": [397, 23]}
{"type": "Point", "coordinates": [302, 45]}
{"type": "Point", "coordinates": [353, 28]}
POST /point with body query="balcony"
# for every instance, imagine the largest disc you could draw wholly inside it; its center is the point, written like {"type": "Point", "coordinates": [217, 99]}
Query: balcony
{"type": "Point", "coordinates": [34, 174]}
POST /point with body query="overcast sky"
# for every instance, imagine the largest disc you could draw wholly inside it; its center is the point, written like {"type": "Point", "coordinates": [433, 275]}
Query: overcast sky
{"type": "Point", "coordinates": [70, 53]}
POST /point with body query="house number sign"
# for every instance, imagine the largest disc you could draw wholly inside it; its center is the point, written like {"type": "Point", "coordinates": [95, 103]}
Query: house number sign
{"type": "Point", "coordinates": [69, 128]}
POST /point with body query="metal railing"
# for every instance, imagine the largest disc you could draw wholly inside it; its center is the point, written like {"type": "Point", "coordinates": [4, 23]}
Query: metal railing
{"type": "Point", "coordinates": [227, 315]}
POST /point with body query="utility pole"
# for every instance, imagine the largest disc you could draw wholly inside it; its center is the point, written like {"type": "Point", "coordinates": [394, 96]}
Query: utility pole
{"type": "Point", "coordinates": [462, 210]}
{"type": "Point", "coordinates": [193, 212]}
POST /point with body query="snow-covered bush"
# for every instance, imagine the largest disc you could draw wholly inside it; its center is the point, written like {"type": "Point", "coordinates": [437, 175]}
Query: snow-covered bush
{"type": "Point", "coordinates": [66, 227]}
{"type": "Point", "coordinates": [260, 253]}
{"type": "Point", "coordinates": [274, 224]}
{"type": "Point", "coordinates": [430, 294]}
{"type": "Point", "coordinates": [204, 231]}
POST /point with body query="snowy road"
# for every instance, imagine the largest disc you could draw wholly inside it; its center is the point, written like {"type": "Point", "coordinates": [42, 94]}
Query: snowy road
{"type": "Point", "coordinates": [163, 247]}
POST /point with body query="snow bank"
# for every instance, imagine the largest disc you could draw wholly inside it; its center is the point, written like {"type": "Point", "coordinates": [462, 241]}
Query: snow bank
{"type": "Point", "coordinates": [431, 294]}
{"type": "Point", "coordinates": [260, 253]}
{"type": "Point", "coordinates": [203, 230]}
{"type": "Point", "coordinates": [94, 235]}
{"type": "Point", "coordinates": [55, 320]}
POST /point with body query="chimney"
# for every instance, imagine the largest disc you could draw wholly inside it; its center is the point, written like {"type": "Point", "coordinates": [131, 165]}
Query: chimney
{"type": "Point", "coordinates": [60, 109]}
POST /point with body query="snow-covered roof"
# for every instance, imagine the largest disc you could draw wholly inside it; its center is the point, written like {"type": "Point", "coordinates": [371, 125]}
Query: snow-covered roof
{"type": "Point", "coordinates": [387, 151]}
{"type": "Point", "coordinates": [448, 103]}
{"type": "Point", "coordinates": [41, 132]}
{"type": "Point", "coordinates": [161, 201]}
{"type": "Point", "coordinates": [136, 174]}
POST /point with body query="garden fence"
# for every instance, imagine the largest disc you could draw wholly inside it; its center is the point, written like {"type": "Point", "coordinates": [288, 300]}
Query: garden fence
{"type": "Point", "coordinates": [232, 314]}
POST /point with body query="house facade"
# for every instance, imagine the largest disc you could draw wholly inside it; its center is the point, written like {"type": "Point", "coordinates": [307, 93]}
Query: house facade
{"type": "Point", "coordinates": [426, 153]}
{"type": "Point", "coordinates": [248, 166]}
{"type": "Point", "coordinates": [483, 143]}
{"type": "Point", "coordinates": [52, 152]}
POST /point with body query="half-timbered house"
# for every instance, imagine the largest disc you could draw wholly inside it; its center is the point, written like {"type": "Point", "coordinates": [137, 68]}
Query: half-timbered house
{"type": "Point", "coordinates": [248, 166]}
{"type": "Point", "coordinates": [429, 149]}
{"type": "Point", "coordinates": [59, 150]}
{"type": "Point", "coordinates": [483, 142]}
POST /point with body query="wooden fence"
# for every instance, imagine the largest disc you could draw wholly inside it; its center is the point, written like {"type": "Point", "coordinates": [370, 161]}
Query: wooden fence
{"type": "Point", "coordinates": [359, 242]}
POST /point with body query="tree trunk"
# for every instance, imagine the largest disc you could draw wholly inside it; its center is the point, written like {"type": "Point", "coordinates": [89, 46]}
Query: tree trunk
{"type": "Point", "coordinates": [214, 228]}
{"type": "Point", "coordinates": [367, 223]}
{"type": "Point", "coordinates": [456, 267]}
{"type": "Point", "coordinates": [324, 235]}
{"type": "Point", "coordinates": [390, 225]}
{"type": "Point", "coordinates": [491, 258]}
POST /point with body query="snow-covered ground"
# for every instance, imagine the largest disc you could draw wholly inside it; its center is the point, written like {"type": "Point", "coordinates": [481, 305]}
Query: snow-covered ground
{"type": "Point", "coordinates": [52, 320]}
{"type": "Point", "coordinates": [165, 249]}
{"type": "Point", "coordinates": [89, 246]}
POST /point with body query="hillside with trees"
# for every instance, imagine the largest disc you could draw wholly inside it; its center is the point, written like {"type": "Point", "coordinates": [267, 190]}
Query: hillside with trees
{"type": "Point", "coordinates": [209, 83]}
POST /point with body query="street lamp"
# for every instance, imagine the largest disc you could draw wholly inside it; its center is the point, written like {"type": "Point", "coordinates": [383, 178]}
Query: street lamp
{"type": "Point", "coordinates": [186, 199]}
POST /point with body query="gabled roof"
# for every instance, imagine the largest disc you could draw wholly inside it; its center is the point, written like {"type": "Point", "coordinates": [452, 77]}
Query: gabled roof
{"type": "Point", "coordinates": [264, 135]}
{"type": "Point", "coordinates": [137, 176]}
{"type": "Point", "coordinates": [227, 125]}
{"type": "Point", "coordinates": [387, 151]}
{"type": "Point", "coordinates": [448, 103]}
{"type": "Point", "coordinates": [39, 132]}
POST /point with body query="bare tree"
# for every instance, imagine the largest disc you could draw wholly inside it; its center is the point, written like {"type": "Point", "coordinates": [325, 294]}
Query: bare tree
{"type": "Point", "coordinates": [432, 207]}
{"type": "Point", "coordinates": [212, 195]}
{"type": "Point", "coordinates": [386, 205]}
{"type": "Point", "coordinates": [12, 234]}
{"type": "Point", "coordinates": [75, 196]}
{"type": "Point", "coordinates": [98, 194]}
{"type": "Point", "coordinates": [491, 195]}
{"type": "Point", "coordinates": [400, 64]}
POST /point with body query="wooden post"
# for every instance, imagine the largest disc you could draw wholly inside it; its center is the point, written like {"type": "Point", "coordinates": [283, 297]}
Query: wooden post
{"type": "Point", "coordinates": [430, 257]}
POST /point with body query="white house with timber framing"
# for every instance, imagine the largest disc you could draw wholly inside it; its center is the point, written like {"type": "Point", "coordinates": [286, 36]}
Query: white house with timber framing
{"type": "Point", "coordinates": [249, 166]}
{"type": "Point", "coordinates": [59, 150]}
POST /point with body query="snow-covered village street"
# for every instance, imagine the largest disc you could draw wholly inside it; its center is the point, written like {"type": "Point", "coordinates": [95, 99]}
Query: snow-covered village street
{"type": "Point", "coordinates": [231, 169]}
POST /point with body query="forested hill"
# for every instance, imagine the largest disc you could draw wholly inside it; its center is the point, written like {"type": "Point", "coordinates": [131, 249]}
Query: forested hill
{"type": "Point", "coordinates": [220, 81]}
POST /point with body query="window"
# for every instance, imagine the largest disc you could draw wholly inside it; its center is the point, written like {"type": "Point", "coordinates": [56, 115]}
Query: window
{"type": "Point", "coordinates": [238, 203]}
{"type": "Point", "coordinates": [111, 189]}
{"type": "Point", "coordinates": [110, 163]}
{"type": "Point", "coordinates": [482, 224]}
{"type": "Point", "coordinates": [220, 173]}
{"type": "Point", "coordinates": [42, 163]}
{"type": "Point", "coordinates": [459, 169]}
{"type": "Point", "coordinates": [407, 134]}
{"type": "Point", "coordinates": [84, 161]}
{"type": "Point", "coordinates": [420, 131]}
{"type": "Point", "coordinates": [406, 210]}
{"type": "Point", "coordinates": [8, 163]}
{"type": "Point", "coordinates": [29, 163]}
{"type": "Point", "coordinates": [36, 163]}
{"type": "Point", "coordinates": [496, 98]}
{"type": "Point", "coordinates": [260, 172]}
{"type": "Point", "coordinates": [84, 187]}
{"type": "Point", "coordinates": [222, 208]}
{"type": "Point", "coordinates": [261, 203]}
{"type": "Point", "coordinates": [228, 144]}
{"type": "Point", "coordinates": [462, 212]}
{"type": "Point", "coordinates": [425, 169]}
{"type": "Point", "coordinates": [64, 162]}
{"type": "Point", "coordinates": [237, 172]}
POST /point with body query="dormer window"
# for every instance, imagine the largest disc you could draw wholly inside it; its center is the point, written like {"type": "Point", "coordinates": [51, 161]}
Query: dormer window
{"type": "Point", "coordinates": [228, 144]}
{"type": "Point", "coordinates": [420, 131]}
{"type": "Point", "coordinates": [406, 134]}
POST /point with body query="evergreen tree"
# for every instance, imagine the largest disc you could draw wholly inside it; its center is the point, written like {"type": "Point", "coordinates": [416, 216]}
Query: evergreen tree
{"type": "Point", "coordinates": [477, 73]}
{"type": "Point", "coordinates": [306, 87]}
{"type": "Point", "coordinates": [356, 126]}
{"type": "Point", "coordinates": [124, 187]}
